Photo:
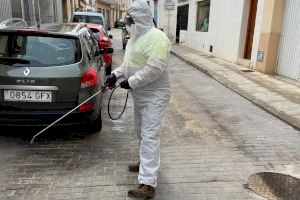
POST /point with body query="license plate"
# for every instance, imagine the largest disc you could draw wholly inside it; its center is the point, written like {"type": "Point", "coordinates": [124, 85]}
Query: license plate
{"type": "Point", "coordinates": [27, 96]}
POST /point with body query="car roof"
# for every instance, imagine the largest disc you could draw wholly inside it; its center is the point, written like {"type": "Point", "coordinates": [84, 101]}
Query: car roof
{"type": "Point", "coordinates": [66, 29]}
{"type": "Point", "coordinates": [88, 13]}
{"type": "Point", "coordinates": [71, 29]}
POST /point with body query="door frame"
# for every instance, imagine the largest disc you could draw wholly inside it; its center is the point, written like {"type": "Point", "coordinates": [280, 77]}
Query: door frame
{"type": "Point", "coordinates": [250, 29]}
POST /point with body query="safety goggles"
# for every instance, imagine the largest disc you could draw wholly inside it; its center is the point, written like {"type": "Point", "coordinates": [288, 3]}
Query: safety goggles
{"type": "Point", "coordinates": [128, 20]}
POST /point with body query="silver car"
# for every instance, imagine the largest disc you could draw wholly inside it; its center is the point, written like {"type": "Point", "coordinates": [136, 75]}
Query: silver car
{"type": "Point", "coordinates": [91, 17]}
{"type": "Point", "coordinates": [48, 71]}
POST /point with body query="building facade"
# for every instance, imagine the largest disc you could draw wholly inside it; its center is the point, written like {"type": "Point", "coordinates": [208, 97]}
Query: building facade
{"type": "Point", "coordinates": [164, 13]}
{"type": "Point", "coordinates": [260, 34]}
{"type": "Point", "coordinates": [50, 10]}
{"type": "Point", "coordinates": [228, 29]}
{"type": "Point", "coordinates": [279, 42]}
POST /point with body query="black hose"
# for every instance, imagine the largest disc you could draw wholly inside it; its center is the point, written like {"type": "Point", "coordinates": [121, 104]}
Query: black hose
{"type": "Point", "coordinates": [108, 105]}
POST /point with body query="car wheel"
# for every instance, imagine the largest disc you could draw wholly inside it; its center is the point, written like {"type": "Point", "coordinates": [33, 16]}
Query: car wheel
{"type": "Point", "coordinates": [94, 126]}
{"type": "Point", "coordinates": [124, 46]}
{"type": "Point", "coordinates": [108, 70]}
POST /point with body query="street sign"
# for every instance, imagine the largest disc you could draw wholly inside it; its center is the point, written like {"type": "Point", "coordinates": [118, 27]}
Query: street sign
{"type": "Point", "coordinates": [169, 5]}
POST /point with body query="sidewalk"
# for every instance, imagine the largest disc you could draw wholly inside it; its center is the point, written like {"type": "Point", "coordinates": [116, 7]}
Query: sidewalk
{"type": "Point", "coordinates": [278, 95]}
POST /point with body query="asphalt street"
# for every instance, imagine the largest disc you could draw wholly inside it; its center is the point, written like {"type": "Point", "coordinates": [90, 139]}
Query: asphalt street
{"type": "Point", "coordinates": [212, 140]}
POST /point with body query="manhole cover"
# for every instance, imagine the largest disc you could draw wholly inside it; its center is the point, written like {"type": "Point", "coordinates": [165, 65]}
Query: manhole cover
{"type": "Point", "coordinates": [275, 186]}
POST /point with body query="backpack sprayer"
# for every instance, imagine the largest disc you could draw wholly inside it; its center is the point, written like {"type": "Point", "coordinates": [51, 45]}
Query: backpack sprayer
{"type": "Point", "coordinates": [102, 91]}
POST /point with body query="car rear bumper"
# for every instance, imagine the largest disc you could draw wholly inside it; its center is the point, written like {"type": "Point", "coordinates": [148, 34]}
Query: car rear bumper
{"type": "Point", "coordinates": [42, 118]}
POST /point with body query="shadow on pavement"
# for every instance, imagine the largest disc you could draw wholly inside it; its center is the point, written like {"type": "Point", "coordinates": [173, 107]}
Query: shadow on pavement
{"type": "Point", "coordinates": [60, 133]}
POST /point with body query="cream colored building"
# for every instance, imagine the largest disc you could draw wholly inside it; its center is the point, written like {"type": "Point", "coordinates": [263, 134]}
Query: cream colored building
{"type": "Point", "coordinates": [50, 10]}
{"type": "Point", "coordinates": [111, 9]}
{"type": "Point", "coordinates": [261, 34]}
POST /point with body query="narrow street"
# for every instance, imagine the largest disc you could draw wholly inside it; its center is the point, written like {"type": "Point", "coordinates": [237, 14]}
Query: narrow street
{"type": "Point", "coordinates": [212, 141]}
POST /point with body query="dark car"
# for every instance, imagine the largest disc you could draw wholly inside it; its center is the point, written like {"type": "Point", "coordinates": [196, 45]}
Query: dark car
{"type": "Point", "coordinates": [119, 23]}
{"type": "Point", "coordinates": [48, 71]}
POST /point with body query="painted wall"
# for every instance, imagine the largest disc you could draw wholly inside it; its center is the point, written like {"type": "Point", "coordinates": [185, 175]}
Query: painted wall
{"type": "Point", "coordinates": [227, 28]}
{"type": "Point", "coordinates": [166, 20]}
{"type": "Point", "coordinates": [5, 10]}
{"type": "Point", "coordinates": [47, 11]}
{"type": "Point", "coordinates": [59, 11]}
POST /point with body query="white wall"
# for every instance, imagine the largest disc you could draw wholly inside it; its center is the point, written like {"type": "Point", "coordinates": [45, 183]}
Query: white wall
{"type": "Point", "coordinates": [225, 28]}
{"type": "Point", "coordinates": [259, 16]}
{"type": "Point", "coordinates": [5, 10]}
{"type": "Point", "coordinates": [166, 20]}
{"type": "Point", "coordinates": [59, 11]}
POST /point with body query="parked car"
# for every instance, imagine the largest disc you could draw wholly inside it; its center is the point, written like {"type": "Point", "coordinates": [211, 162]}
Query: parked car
{"type": "Point", "coordinates": [90, 17]}
{"type": "Point", "coordinates": [104, 41]}
{"type": "Point", "coordinates": [119, 23]}
{"type": "Point", "coordinates": [48, 71]}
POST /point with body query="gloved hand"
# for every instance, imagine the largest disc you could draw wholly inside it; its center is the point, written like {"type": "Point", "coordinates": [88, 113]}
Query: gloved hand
{"type": "Point", "coordinates": [125, 85]}
{"type": "Point", "coordinates": [111, 80]}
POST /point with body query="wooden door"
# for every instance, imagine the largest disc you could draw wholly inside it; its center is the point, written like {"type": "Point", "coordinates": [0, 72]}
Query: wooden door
{"type": "Point", "coordinates": [250, 29]}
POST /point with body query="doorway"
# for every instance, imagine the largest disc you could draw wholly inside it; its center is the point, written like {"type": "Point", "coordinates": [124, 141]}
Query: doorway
{"type": "Point", "coordinates": [182, 20]}
{"type": "Point", "coordinates": [250, 29]}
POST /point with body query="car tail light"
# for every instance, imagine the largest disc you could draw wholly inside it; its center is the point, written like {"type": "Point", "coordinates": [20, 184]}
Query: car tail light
{"type": "Point", "coordinates": [86, 107]}
{"type": "Point", "coordinates": [89, 78]}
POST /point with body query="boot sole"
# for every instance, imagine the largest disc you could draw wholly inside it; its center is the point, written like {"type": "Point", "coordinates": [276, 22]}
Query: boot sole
{"type": "Point", "coordinates": [139, 196]}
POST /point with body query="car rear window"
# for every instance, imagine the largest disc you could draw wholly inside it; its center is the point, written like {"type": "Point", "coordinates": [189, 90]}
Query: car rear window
{"type": "Point", "coordinates": [38, 51]}
{"type": "Point", "coordinates": [88, 19]}
{"type": "Point", "coordinates": [96, 33]}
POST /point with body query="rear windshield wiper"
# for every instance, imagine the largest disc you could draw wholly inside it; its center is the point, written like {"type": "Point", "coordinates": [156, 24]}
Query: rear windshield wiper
{"type": "Point", "coordinates": [12, 61]}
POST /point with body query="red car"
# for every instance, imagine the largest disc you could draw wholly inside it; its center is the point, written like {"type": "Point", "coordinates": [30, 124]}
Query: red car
{"type": "Point", "coordinates": [104, 41]}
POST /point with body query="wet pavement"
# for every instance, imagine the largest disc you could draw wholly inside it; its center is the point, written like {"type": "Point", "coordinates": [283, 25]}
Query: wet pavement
{"type": "Point", "coordinates": [212, 141]}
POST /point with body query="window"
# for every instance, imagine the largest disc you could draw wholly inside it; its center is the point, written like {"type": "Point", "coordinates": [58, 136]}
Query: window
{"type": "Point", "coordinates": [88, 19]}
{"type": "Point", "coordinates": [38, 51]}
{"type": "Point", "coordinates": [203, 16]}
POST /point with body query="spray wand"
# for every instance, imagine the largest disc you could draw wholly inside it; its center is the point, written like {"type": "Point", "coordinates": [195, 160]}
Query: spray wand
{"type": "Point", "coordinates": [97, 93]}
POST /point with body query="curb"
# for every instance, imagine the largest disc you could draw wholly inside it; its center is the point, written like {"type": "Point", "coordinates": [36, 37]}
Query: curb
{"type": "Point", "coordinates": [278, 114]}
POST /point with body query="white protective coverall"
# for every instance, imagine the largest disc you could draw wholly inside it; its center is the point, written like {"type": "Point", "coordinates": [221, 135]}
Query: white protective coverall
{"type": "Point", "coordinates": [145, 67]}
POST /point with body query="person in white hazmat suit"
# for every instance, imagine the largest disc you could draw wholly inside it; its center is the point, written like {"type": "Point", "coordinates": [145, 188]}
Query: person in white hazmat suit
{"type": "Point", "coordinates": [145, 72]}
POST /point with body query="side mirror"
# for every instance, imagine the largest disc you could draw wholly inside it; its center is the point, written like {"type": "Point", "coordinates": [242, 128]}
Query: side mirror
{"type": "Point", "coordinates": [104, 51]}
{"type": "Point", "coordinates": [110, 36]}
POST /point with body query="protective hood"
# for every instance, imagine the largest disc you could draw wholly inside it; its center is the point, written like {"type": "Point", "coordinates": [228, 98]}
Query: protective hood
{"type": "Point", "coordinates": [140, 12]}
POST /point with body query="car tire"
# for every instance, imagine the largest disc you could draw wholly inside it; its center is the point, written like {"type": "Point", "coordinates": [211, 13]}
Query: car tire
{"type": "Point", "coordinates": [124, 46]}
{"type": "Point", "coordinates": [108, 70]}
{"type": "Point", "coordinates": [94, 126]}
